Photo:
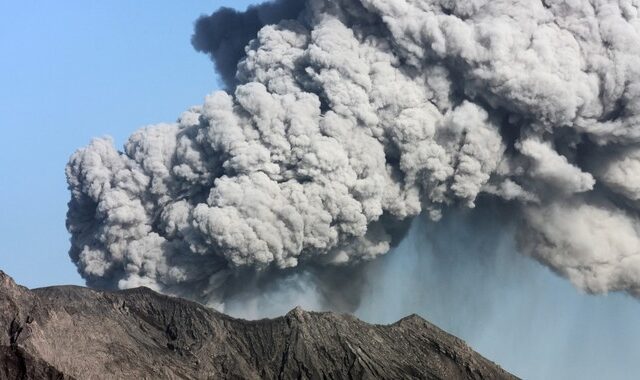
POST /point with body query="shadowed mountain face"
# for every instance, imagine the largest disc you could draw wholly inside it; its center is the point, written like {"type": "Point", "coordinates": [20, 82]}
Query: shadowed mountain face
{"type": "Point", "coordinates": [73, 332]}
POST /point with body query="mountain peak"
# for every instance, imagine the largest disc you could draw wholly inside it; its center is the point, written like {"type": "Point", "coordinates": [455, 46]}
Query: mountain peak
{"type": "Point", "coordinates": [74, 332]}
{"type": "Point", "coordinates": [5, 280]}
{"type": "Point", "coordinates": [297, 312]}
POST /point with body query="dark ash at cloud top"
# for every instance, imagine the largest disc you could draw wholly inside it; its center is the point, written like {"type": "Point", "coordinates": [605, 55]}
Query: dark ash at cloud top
{"type": "Point", "coordinates": [225, 33]}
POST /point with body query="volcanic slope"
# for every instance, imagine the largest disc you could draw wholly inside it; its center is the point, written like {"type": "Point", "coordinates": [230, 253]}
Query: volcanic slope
{"type": "Point", "coordinates": [70, 332]}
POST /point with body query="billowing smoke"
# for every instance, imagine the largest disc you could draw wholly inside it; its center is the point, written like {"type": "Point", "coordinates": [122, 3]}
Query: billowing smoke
{"type": "Point", "coordinates": [345, 119]}
{"type": "Point", "coordinates": [225, 33]}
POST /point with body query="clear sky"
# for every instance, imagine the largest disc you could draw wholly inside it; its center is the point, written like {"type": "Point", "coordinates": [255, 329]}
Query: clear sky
{"type": "Point", "coordinates": [77, 69]}
{"type": "Point", "coordinates": [70, 71]}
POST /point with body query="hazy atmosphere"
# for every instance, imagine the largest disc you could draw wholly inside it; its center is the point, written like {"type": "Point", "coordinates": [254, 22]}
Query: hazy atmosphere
{"type": "Point", "coordinates": [487, 183]}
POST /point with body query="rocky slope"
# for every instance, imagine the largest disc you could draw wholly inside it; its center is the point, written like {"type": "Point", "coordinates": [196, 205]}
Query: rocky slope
{"type": "Point", "coordinates": [77, 333]}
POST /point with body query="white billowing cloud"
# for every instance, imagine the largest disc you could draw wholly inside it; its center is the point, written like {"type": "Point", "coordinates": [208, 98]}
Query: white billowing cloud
{"type": "Point", "coordinates": [621, 173]}
{"type": "Point", "coordinates": [554, 169]}
{"type": "Point", "coordinates": [596, 247]}
{"type": "Point", "coordinates": [349, 117]}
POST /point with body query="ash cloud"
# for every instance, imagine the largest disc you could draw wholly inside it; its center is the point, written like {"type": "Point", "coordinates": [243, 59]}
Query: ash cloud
{"type": "Point", "coordinates": [226, 32]}
{"type": "Point", "coordinates": [345, 119]}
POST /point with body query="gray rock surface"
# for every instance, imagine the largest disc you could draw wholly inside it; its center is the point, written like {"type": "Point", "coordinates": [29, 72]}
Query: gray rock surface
{"type": "Point", "coordinates": [70, 332]}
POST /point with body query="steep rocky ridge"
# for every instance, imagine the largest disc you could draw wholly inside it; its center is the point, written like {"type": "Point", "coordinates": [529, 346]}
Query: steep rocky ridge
{"type": "Point", "coordinates": [72, 332]}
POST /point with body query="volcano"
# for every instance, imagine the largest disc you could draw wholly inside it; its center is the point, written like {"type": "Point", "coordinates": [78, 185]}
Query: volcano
{"type": "Point", "coordinates": [70, 332]}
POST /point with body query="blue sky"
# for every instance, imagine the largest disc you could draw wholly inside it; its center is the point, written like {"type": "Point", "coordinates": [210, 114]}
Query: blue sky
{"type": "Point", "coordinates": [73, 72]}
{"type": "Point", "coordinates": [94, 68]}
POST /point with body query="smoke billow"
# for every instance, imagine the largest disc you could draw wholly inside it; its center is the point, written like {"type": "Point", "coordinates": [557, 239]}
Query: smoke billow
{"type": "Point", "coordinates": [225, 33]}
{"type": "Point", "coordinates": [345, 119]}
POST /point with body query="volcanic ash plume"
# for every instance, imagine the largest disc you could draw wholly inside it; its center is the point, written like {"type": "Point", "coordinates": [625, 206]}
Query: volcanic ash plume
{"type": "Point", "coordinates": [344, 119]}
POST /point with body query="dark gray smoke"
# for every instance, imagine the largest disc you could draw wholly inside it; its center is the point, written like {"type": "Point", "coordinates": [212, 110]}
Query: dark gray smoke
{"type": "Point", "coordinates": [350, 117]}
{"type": "Point", "coordinates": [225, 34]}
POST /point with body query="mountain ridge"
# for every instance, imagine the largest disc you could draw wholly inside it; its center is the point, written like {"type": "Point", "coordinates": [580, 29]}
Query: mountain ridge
{"type": "Point", "coordinates": [70, 332]}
